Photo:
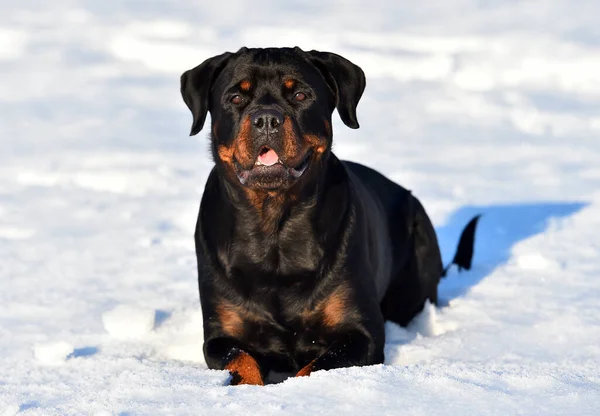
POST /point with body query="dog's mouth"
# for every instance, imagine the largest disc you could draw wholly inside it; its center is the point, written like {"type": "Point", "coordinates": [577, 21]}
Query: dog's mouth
{"type": "Point", "coordinates": [269, 171]}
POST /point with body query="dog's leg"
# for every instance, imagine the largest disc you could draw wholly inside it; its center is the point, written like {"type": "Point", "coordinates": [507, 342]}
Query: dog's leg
{"type": "Point", "coordinates": [221, 349]}
{"type": "Point", "coordinates": [223, 354]}
{"type": "Point", "coordinates": [223, 326]}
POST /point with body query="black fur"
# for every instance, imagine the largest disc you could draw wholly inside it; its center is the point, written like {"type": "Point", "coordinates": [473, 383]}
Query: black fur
{"type": "Point", "coordinates": [466, 245]}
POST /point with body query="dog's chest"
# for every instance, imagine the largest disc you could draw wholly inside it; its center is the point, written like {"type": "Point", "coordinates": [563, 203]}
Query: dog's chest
{"type": "Point", "coordinates": [281, 323]}
{"type": "Point", "coordinates": [273, 278]}
{"type": "Point", "coordinates": [290, 254]}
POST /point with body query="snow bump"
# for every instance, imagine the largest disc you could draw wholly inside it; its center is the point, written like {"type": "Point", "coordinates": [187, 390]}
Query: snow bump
{"type": "Point", "coordinates": [129, 322]}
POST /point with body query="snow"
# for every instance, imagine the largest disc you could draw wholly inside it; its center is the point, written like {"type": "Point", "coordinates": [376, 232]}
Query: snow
{"type": "Point", "coordinates": [127, 321]}
{"type": "Point", "coordinates": [53, 353]}
{"type": "Point", "coordinates": [478, 107]}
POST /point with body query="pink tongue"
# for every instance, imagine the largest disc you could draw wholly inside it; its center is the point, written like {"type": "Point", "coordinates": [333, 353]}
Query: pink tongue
{"type": "Point", "coordinates": [268, 158]}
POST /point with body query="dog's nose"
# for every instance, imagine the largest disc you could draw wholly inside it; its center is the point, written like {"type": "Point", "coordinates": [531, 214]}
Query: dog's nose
{"type": "Point", "coordinates": [267, 120]}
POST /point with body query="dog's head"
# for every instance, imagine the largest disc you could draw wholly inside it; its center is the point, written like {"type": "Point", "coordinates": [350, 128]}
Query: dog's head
{"type": "Point", "coordinates": [271, 110]}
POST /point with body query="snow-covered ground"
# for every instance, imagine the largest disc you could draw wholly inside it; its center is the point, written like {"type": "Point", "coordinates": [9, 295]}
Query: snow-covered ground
{"type": "Point", "coordinates": [477, 106]}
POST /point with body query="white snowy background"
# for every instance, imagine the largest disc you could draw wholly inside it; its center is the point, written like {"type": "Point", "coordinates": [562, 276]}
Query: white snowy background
{"type": "Point", "coordinates": [478, 106]}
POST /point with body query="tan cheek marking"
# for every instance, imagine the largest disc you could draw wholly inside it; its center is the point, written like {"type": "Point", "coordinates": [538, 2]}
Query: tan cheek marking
{"type": "Point", "coordinates": [225, 153]}
{"type": "Point", "coordinates": [318, 144]}
{"type": "Point", "coordinates": [245, 370]}
{"type": "Point", "coordinates": [242, 148]}
{"type": "Point", "coordinates": [245, 85]}
{"type": "Point", "coordinates": [290, 144]}
{"type": "Point", "coordinates": [239, 148]}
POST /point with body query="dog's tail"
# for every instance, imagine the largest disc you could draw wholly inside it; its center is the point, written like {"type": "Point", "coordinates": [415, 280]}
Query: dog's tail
{"type": "Point", "coordinates": [464, 250]}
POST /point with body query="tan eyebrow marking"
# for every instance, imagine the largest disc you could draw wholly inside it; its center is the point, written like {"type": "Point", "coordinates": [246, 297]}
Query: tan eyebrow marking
{"type": "Point", "coordinates": [245, 85]}
{"type": "Point", "coordinates": [289, 83]}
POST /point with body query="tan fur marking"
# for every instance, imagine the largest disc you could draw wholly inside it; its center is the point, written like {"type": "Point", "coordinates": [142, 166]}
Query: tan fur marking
{"type": "Point", "coordinates": [290, 144]}
{"type": "Point", "coordinates": [318, 144]}
{"type": "Point", "coordinates": [242, 151]}
{"type": "Point", "coordinates": [245, 85]}
{"type": "Point", "coordinates": [289, 83]}
{"type": "Point", "coordinates": [306, 370]}
{"type": "Point", "coordinates": [335, 307]}
{"type": "Point", "coordinates": [226, 153]}
{"type": "Point", "coordinates": [256, 197]}
{"type": "Point", "coordinates": [269, 206]}
{"type": "Point", "coordinates": [332, 311]}
{"type": "Point", "coordinates": [239, 148]}
{"type": "Point", "coordinates": [245, 370]}
{"type": "Point", "coordinates": [230, 319]}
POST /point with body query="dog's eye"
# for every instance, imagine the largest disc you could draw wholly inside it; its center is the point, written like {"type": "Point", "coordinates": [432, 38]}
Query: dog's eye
{"type": "Point", "coordinates": [300, 96]}
{"type": "Point", "coordinates": [237, 99]}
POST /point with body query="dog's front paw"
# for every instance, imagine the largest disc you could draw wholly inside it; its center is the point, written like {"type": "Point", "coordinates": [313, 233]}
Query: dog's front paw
{"type": "Point", "coordinates": [244, 370]}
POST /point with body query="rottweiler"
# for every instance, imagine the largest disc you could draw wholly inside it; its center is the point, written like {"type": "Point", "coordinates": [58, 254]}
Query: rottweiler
{"type": "Point", "coordinates": [301, 256]}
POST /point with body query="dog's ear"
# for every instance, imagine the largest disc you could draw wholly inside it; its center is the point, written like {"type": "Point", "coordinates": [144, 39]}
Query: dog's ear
{"type": "Point", "coordinates": [196, 85]}
{"type": "Point", "coordinates": [346, 80]}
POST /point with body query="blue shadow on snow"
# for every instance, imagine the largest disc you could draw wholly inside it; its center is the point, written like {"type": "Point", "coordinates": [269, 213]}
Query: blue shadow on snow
{"type": "Point", "coordinates": [83, 352]}
{"type": "Point", "coordinates": [500, 228]}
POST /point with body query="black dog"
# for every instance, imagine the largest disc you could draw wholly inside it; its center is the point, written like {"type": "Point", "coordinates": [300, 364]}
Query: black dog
{"type": "Point", "coordinates": [301, 256]}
